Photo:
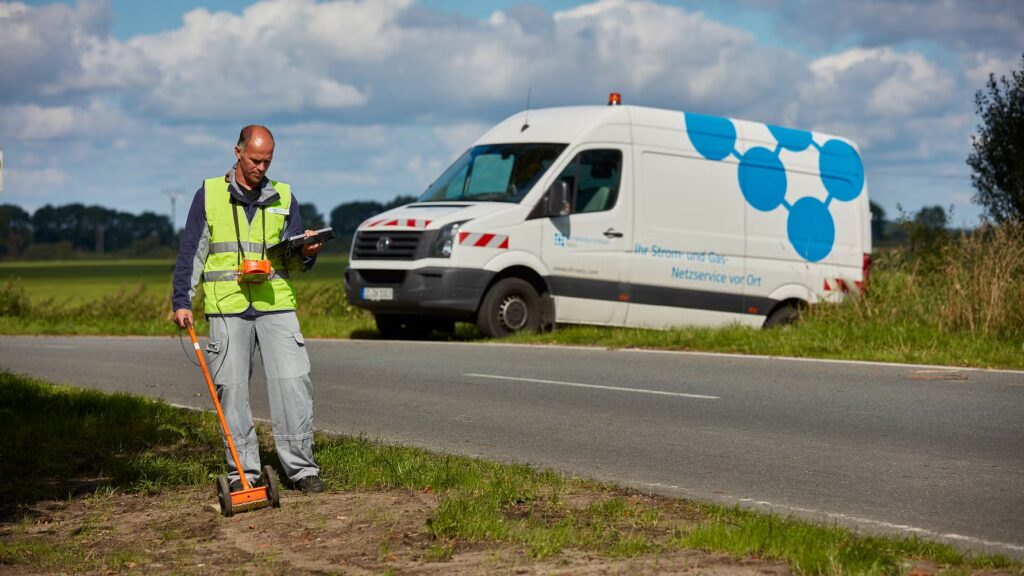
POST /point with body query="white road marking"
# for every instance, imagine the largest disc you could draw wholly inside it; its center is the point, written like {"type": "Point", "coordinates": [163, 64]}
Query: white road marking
{"type": "Point", "coordinates": [855, 520]}
{"type": "Point", "coordinates": [593, 386]}
{"type": "Point", "coordinates": [888, 525]}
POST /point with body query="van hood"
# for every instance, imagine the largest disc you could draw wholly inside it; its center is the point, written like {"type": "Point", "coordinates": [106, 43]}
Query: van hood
{"type": "Point", "coordinates": [432, 215]}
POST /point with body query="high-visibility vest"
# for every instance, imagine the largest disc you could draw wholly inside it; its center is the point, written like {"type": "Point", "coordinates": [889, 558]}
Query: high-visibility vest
{"type": "Point", "coordinates": [223, 294]}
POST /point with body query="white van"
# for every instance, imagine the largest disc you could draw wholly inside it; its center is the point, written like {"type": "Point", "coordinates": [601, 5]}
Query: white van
{"type": "Point", "coordinates": [620, 216]}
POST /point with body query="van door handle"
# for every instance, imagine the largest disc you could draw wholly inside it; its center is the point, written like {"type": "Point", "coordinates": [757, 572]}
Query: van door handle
{"type": "Point", "coordinates": [612, 233]}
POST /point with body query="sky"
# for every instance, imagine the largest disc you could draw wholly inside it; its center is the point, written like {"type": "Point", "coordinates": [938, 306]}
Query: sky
{"type": "Point", "coordinates": [127, 103]}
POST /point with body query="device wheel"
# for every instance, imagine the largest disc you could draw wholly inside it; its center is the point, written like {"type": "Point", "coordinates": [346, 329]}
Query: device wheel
{"type": "Point", "coordinates": [788, 313]}
{"type": "Point", "coordinates": [512, 305]}
{"type": "Point", "coordinates": [224, 496]}
{"type": "Point", "coordinates": [273, 490]}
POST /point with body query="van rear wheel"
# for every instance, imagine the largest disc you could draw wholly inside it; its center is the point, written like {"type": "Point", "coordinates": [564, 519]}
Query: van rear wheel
{"type": "Point", "coordinates": [784, 315]}
{"type": "Point", "coordinates": [512, 305]}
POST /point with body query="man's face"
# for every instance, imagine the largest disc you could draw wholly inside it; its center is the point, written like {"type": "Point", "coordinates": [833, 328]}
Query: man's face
{"type": "Point", "coordinates": [254, 161]}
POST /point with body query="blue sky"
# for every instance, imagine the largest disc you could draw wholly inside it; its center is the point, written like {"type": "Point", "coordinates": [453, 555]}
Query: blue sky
{"type": "Point", "coordinates": [120, 102]}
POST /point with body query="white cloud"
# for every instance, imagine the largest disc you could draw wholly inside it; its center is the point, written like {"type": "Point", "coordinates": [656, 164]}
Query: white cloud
{"type": "Point", "coordinates": [373, 98]}
{"type": "Point", "coordinates": [960, 25]}
{"type": "Point", "coordinates": [891, 84]}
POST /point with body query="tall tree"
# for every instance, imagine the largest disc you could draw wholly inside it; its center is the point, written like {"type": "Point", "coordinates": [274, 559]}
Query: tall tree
{"type": "Point", "coordinates": [998, 156]}
{"type": "Point", "coordinates": [345, 218]}
{"type": "Point", "coordinates": [932, 218]}
{"type": "Point", "coordinates": [15, 230]}
{"type": "Point", "coordinates": [878, 222]}
{"type": "Point", "coordinates": [312, 219]}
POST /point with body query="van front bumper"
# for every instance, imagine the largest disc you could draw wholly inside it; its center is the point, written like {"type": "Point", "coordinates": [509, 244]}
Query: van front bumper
{"type": "Point", "coordinates": [453, 293]}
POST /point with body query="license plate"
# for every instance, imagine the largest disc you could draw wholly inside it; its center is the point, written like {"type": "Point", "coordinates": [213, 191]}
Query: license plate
{"type": "Point", "coordinates": [378, 293]}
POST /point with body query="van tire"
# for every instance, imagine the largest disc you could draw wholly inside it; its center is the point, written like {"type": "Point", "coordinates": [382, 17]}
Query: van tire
{"type": "Point", "coordinates": [511, 305]}
{"type": "Point", "coordinates": [789, 313]}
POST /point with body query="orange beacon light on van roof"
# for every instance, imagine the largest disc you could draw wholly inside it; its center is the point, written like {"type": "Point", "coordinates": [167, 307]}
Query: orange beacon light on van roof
{"type": "Point", "coordinates": [614, 99]}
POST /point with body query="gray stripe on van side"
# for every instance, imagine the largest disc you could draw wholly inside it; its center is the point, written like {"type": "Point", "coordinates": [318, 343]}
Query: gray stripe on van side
{"type": "Point", "coordinates": [660, 295]}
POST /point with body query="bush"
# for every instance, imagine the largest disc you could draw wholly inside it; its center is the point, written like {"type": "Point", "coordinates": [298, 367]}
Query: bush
{"type": "Point", "coordinates": [980, 282]}
{"type": "Point", "coordinates": [14, 300]}
{"type": "Point", "coordinates": [968, 283]}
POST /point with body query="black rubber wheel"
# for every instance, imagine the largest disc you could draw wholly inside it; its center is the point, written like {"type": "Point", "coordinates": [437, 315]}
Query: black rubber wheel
{"type": "Point", "coordinates": [224, 495]}
{"type": "Point", "coordinates": [273, 490]}
{"type": "Point", "coordinates": [784, 315]}
{"type": "Point", "coordinates": [512, 305]}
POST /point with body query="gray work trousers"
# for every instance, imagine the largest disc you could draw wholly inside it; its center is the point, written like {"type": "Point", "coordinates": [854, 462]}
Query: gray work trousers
{"type": "Point", "coordinates": [230, 353]}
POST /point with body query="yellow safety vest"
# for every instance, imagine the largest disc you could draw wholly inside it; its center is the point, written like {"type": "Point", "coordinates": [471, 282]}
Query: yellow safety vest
{"type": "Point", "coordinates": [222, 292]}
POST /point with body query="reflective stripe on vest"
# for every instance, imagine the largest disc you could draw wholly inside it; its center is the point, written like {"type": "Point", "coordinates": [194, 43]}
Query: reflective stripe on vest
{"type": "Point", "coordinates": [222, 292]}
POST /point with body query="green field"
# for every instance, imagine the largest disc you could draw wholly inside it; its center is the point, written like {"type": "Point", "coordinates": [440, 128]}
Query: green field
{"type": "Point", "coordinates": [81, 281]}
{"type": "Point", "coordinates": [959, 304]}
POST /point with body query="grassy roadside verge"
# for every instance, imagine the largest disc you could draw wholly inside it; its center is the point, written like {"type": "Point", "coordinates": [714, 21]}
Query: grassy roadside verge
{"type": "Point", "coordinates": [65, 444]}
{"type": "Point", "coordinates": [954, 301]}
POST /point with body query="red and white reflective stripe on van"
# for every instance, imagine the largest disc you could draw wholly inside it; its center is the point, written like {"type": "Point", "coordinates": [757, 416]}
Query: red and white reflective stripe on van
{"type": "Point", "coordinates": [482, 240]}
{"type": "Point", "coordinates": [414, 223]}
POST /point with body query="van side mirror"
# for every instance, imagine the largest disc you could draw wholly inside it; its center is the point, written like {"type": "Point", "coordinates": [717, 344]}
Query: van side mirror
{"type": "Point", "coordinates": [558, 200]}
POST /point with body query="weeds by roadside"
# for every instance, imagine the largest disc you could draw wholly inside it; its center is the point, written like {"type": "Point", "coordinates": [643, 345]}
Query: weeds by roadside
{"type": "Point", "coordinates": [62, 441]}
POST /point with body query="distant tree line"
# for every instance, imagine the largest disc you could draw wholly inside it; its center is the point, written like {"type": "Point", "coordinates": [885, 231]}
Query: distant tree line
{"type": "Point", "coordinates": [910, 230]}
{"type": "Point", "coordinates": [76, 230]}
{"type": "Point", "coordinates": [79, 231]}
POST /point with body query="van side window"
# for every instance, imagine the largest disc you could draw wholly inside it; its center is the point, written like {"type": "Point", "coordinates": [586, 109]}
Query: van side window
{"type": "Point", "coordinates": [593, 178]}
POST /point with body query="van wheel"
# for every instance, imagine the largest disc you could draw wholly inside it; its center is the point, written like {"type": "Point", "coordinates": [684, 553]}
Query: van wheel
{"type": "Point", "coordinates": [512, 305]}
{"type": "Point", "coordinates": [784, 315]}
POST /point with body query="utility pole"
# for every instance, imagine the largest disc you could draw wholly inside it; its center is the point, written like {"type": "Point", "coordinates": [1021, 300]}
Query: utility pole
{"type": "Point", "coordinates": [173, 194]}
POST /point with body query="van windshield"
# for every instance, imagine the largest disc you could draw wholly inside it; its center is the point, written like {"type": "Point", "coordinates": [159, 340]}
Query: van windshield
{"type": "Point", "coordinates": [494, 173]}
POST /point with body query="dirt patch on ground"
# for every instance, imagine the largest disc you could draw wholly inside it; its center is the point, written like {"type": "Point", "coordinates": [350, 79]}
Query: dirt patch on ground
{"type": "Point", "coordinates": [357, 532]}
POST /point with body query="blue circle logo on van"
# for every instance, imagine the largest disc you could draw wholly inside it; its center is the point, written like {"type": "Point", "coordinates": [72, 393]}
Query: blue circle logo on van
{"type": "Point", "coordinates": [841, 170]}
{"type": "Point", "coordinates": [791, 139]}
{"type": "Point", "coordinates": [810, 227]}
{"type": "Point", "coordinates": [762, 179]}
{"type": "Point", "coordinates": [713, 137]}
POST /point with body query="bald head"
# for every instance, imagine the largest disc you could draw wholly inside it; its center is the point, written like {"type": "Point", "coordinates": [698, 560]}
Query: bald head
{"type": "Point", "coordinates": [255, 151]}
{"type": "Point", "coordinates": [254, 132]}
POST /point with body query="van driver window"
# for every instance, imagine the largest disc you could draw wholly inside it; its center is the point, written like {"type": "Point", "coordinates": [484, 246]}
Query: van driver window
{"type": "Point", "coordinates": [593, 179]}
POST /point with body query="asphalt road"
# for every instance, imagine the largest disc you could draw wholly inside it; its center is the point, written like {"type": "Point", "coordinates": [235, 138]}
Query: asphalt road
{"type": "Point", "coordinates": [882, 448]}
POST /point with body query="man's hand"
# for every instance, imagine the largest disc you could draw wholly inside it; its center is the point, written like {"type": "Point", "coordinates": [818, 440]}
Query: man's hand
{"type": "Point", "coordinates": [183, 317]}
{"type": "Point", "coordinates": [310, 250]}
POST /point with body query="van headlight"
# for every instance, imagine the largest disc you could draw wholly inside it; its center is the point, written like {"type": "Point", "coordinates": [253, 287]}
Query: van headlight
{"type": "Point", "coordinates": [445, 241]}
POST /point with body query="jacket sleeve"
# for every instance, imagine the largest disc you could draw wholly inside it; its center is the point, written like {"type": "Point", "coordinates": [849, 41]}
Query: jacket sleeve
{"type": "Point", "coordinates": [293, 227]}
{"type": "Point", "coordinates": [192, 253]}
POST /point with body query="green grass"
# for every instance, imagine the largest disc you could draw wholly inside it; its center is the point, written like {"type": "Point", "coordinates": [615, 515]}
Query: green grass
{"type": "Point", "coordinates": [61, 441]}
{"type": "Point", "coordinates": [81, 281]}
{"type": "Point", "coordinates": [77, 282]}
{"type": "Point", "coordinates": [919, 310]}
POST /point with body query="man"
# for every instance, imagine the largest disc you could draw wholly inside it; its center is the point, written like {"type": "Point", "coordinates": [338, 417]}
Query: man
{"type": "Point", "coordinates": [233, 219]}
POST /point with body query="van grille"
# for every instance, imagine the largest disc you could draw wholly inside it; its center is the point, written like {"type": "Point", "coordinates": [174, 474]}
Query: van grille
{"type": "Point", "coordinates": [381, 245]}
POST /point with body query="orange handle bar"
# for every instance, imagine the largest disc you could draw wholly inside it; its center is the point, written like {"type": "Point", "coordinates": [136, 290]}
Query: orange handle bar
{"type": "Point", "coordinates": [220, 411]}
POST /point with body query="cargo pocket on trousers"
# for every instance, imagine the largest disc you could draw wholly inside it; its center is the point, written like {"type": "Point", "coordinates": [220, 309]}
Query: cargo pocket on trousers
{"type": "Point", "coordinates": [213, 360]}
{"type": "Point", "coordinates": [301, 356]}
{"type": "Point", "coordinates": [213, 348]}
